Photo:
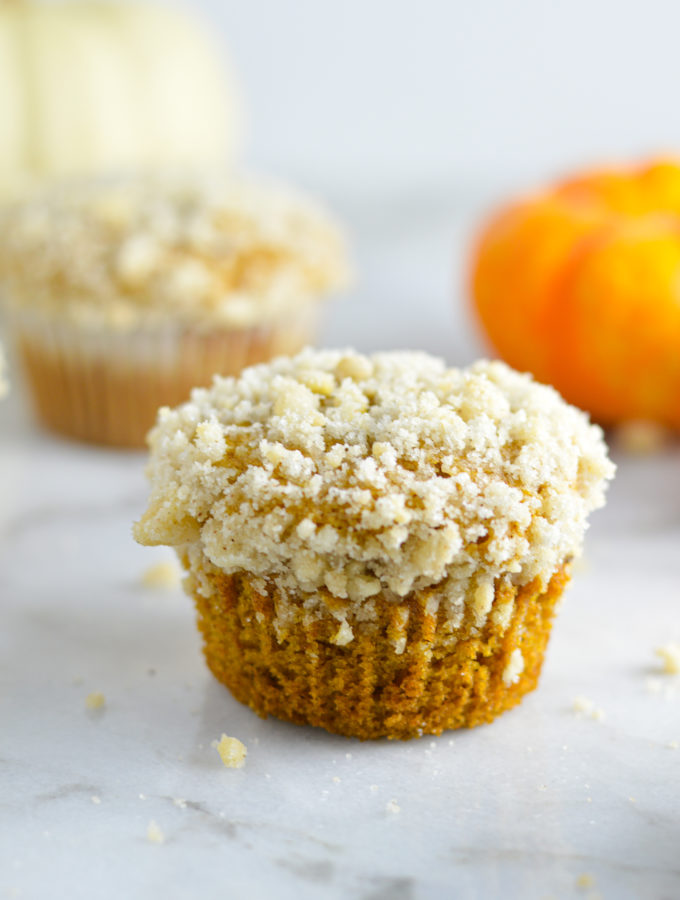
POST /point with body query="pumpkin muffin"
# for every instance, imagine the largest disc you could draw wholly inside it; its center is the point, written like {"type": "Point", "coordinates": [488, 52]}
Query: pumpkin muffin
{"type": "Point", "coordinates": [375, 545]}
{"type": "Point", "coordinates": [124, 294]}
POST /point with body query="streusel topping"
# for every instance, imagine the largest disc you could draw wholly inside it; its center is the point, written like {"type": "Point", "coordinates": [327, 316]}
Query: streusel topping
{"type": "Point", "coordinates": [339, 476]}
{"type": "Point", "coordinates": [203, 250]}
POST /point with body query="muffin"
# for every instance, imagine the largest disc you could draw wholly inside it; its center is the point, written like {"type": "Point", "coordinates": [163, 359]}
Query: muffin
{"type": "Point", "coordinates": [124, 294]}
{"type": "Point", "coordinates": [375, 545]}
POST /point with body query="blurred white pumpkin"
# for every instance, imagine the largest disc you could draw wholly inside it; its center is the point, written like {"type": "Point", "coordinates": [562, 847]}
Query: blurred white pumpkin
{"type": "Point", "coordinates": [89, 86]}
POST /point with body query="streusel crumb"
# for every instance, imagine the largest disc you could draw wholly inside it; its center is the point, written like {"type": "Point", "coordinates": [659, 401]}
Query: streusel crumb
{"type": "Point", "coordinates": [154, 834]}
{"type": "Point", "coordinates": [514, 668]}
{"type": "Point", "coordinates": [232, 752]}
{"type": "Point", "coordinates": [162, 575]}
{"type": "Point", "coordinates": [95, 700]}
{"type": "Point", "coordinates": [583, 706]}
{"type": "Point", "coordinates": [669, 655]}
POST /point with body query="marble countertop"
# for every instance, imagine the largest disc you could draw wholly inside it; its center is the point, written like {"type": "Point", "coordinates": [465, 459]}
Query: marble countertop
{"type": "Point", "coordinates": [545, 802]}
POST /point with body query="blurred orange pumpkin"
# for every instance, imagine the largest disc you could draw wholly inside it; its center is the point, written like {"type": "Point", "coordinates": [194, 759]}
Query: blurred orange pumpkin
{"type": "Point", "coordinates": [581, 286]}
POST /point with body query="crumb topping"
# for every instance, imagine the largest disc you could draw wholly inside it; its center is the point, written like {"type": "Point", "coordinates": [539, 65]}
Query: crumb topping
{"type": "Point", "coordinates": [203, 250]}
{"type": "Point", "coordinates": [342, 476]}
{"type": "Point", "coordinates": [514, 668]}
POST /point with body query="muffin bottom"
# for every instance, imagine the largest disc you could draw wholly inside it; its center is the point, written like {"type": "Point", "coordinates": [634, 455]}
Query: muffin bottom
{"type": "Point", "coordinates": [366, 689]}
{"type": "Point", "coordinates": [107, 389]}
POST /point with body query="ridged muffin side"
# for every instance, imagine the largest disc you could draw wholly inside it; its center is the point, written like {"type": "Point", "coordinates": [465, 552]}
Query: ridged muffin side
{"type": "Point", "coordinates": [440, 680]}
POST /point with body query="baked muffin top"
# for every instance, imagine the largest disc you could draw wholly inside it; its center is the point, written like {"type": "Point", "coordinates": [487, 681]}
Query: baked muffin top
{"type": "Point", "coordinates": [340, 476]}
{"type": "Point", "coordinates": [205, 250]}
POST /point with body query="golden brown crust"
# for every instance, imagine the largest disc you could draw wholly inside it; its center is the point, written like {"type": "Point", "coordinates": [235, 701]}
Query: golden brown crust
{"type": "Point", "coordinates": [365, 689]}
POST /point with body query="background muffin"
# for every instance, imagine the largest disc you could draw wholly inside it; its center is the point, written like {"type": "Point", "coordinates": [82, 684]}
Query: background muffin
{"type": "Point", "coordinates": [4, 387]}
{"type": "Point", "coordinates": [375, 544]}
{"type": "Point", "coordinates": [124, 294]}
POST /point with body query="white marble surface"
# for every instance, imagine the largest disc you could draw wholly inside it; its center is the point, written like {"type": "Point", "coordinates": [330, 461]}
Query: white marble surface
{"type": "Point", "coordinates": [522, 808]}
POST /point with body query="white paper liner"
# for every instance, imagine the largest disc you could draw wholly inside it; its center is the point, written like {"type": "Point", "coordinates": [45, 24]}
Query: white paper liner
{"type": "Point", "coordinates": [106, 387]}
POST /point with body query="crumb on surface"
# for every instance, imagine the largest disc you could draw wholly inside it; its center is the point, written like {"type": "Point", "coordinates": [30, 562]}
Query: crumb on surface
{"type": "Point", "coordinates": [162, 575]}
{"type": "Point", "coordinates": [663, 686]}
{"type": "Point", "coordinates": [585, 880]}
{"type": "Point", "coordinates": [585, 707]}
{"type": "Point", "coordinates": [673, 745]}
{"type": "Point", "coordinates": [336, 779]}
{"type": "Point", "coordinates": [95, 700]}
{"type": "Point", "coordinates": [96, 800]}
{"type": "Point", "coordinates": [392, 807]}
{"type": "Point", "coordinates": [154, 833]}
{"type": "Point", "coordinates": [180, 802]}
{"type": "Point", "coordinates": [232, 751]}
{"type": "Point", "coordinates": [669, 655]}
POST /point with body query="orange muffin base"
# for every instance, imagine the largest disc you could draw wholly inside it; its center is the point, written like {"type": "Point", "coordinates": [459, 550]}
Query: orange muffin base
{"type": "Point", "coordinates": [108, 389]}
{"type": "Point", "coordinates": [442, 680]}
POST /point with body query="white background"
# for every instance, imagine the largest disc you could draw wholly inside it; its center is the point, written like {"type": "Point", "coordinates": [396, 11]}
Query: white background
{"type": "Point", "coordinates": [363, 91]}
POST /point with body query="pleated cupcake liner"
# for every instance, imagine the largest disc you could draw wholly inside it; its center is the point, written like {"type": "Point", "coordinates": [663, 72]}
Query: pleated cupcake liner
{"type": "Point", "coordinates": [366, 688]}
{"type": "Point", "coordinates": [106, 387]}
